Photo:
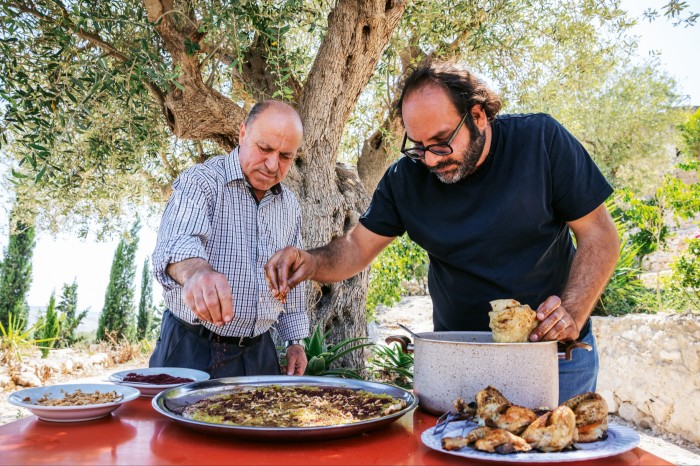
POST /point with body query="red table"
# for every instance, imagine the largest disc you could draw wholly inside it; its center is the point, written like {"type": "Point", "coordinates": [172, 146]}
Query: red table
{"type": "Point", "coordinates": [135, 434]}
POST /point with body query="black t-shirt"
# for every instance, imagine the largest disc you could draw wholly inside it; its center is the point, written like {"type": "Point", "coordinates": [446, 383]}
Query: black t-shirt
{"type": "Point", "coordinates": [500, 232]}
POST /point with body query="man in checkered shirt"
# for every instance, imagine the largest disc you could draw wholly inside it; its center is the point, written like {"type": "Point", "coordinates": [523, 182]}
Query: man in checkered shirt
{"type": "Point", "coordinates": [224, 220]}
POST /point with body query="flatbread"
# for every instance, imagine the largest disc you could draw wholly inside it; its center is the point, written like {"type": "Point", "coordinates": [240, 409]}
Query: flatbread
{"type": "Point", "coordinates": [510, 321]}
{"type": "Point", "coordinates": [503, 304]}
{"type": "Point", "coordinates": [293, 406]}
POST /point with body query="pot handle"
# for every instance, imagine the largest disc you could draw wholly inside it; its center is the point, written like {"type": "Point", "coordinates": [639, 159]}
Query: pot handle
{"type": "Point", "coordinates": [403, 340]}
{"type": "Point", "coordinates": [565, 348]}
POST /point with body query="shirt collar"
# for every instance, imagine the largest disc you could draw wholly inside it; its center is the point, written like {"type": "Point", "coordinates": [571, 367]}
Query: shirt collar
{"type": "Point", "coordinates": [235, 172]}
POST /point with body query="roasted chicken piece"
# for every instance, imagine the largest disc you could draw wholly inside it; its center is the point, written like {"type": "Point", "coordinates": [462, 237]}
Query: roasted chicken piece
{"type": "Point", "coordinates": [553, 431]}
{"type": "Point", "coordinates": [488, 439]}
{"type": "Point", "coordinates": [494, 410]}
{"type": "Point", "coordinates": [591, 412]}
{"type": "Point", "coordinates": [464, 410]}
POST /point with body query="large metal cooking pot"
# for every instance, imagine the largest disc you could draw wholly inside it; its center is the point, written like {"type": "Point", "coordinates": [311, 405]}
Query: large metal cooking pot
{"type": "Point", "coordinates": [448, 365]}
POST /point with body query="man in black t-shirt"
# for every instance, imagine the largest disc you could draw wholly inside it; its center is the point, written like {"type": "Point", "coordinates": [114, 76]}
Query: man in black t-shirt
{"type": "Point", "coordinates": [493, 201]}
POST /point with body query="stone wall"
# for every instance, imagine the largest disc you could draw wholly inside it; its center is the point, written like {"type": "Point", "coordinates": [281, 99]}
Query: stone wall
{"type": "Point", "coordinates": [650, 370]}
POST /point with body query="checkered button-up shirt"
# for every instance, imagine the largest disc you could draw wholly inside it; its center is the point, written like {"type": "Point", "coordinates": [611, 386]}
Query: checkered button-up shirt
{"type": "Point", "coordinates": [212, 214]}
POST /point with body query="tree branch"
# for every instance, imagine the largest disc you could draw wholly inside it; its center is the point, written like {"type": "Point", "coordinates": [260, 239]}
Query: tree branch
{"type": "Point", "coordinates": [90, 37]}
{"type": "Point", "coordinates": [194, 110]}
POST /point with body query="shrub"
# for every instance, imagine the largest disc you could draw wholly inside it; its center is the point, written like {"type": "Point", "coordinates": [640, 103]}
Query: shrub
{"type": "Point", "coordinates": [685, 280]}
{"type": "Point", "coordinates": [625, 292]}
{"type": "Point", "coordinates": [68, 314]}
{"type": "Point", "coordinates": [401, 262]}
{"type": "Point", "coordinates": [50, 327]}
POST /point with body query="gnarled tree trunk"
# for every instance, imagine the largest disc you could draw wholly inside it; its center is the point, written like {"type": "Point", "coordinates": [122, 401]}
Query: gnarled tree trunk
{"type": "Point", "coordinates": [332, 196]}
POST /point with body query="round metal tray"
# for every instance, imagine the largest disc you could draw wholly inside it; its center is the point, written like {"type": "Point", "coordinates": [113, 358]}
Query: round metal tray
{"type": "Point", "coordinates": [172, 402]}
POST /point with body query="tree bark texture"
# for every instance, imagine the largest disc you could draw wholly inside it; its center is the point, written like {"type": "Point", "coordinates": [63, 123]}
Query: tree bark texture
{"type": "Point", "coordinates": [332, 196]}
{"type": "Point", "coordinates": [194, 110]}
{"type": "Point", "coordinates": [377, 152]}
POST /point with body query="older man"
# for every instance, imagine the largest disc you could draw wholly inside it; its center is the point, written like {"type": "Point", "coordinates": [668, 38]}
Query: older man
{"type": "Point", "coordinates": [224, 219]}
{"type": "Point", "coordinates": [493, 200]}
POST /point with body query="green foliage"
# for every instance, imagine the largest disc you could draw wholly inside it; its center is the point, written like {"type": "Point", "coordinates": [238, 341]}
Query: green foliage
{"type": "Point", "coordinates": [145, 311]}
{"type": "Point", "coordinates": [156, 319]}
{"type": "Point", "coordinates": [390, 363]}
{"type": "Point", "coordinates": [402, 261]}
{"type": "Point", "coordinates": [16, 271]}
{"type": "Point", "coordinates": [15, 338]}
{"type": "Point", "coordinates": [83, 84]}
{"type": "Point", "coordinates": [625, 292]}
{"type": "Point", "coordinates": [647, 218]}
{"type": "Point", "coordinates": [690, 136]}
{"type": "Point", "coordinates": [674, 10]}
{"type": "Point", "coordinates": [686, 275]}
{"type": "Point", "coordinates": [117, 316]}
{"type": "Point", "coordinates": [68, 315]}
{"type": "Point", "coordinates": [622, 112]}
{"type": "Point", "coordinates": [321, 354]}
{"type": "Point", "coordinates": [50, 326]}
{"type": "Point", "coordinates": [82, 87]}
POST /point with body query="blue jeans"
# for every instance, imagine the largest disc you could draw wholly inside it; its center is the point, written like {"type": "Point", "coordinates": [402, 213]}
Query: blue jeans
{"type": "Point", "coordinates": [581, 373]}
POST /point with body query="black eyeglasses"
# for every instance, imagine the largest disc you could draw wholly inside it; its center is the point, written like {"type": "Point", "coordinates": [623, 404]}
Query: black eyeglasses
{"type": "Point", "coordinates": [440, 148]}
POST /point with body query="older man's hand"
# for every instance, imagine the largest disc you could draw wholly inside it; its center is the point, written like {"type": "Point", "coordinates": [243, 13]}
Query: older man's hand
{"type": "Point", "coordinates": [296, 360]}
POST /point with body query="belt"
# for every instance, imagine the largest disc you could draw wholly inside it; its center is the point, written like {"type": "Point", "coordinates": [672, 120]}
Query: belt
{"type": "Point", "coordinates": [202, 331]}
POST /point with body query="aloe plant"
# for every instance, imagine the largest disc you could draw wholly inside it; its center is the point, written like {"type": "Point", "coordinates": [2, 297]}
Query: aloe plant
{"type": "Point", "coordinates": [391, 362]}
{"type": "Point", "coordinates": [321, 354]}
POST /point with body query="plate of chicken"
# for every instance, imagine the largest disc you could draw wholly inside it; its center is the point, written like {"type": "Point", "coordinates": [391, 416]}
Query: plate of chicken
{"type": "Point", "coordinates": [492, 428]}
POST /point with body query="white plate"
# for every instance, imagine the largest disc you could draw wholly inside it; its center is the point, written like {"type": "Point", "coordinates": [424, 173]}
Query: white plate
{"type": "Point", "coordinates": [620, 439]}
{"type": "Point", "coordinates": [147, 389]}
{"type": "Point", "coordinates": [70, 413]}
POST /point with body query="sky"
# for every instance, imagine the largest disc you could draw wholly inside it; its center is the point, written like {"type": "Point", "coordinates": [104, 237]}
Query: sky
{"type": "Point", "coordinates": [62, 259]}
{"type": "Point", "coordinates": [678, 47]}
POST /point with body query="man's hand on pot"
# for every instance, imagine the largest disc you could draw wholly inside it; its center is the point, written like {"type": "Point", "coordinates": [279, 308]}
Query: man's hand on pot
{"type": "Point", "coordinates": [556, 324]}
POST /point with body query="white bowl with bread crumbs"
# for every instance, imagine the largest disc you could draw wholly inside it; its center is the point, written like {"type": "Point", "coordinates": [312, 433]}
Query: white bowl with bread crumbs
{"type": "Point", "coordinates": [73, 402]}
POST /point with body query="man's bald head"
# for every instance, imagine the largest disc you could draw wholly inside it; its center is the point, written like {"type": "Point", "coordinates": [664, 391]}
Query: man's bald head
{"type": "Point", "coordinates": [267, 105]}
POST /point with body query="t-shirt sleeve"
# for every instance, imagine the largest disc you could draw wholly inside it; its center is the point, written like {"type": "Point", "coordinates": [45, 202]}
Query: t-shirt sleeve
{"type": "Point", "coordinates": [382, 217]}
{"type": "Point", "coordinates": [578, 186]}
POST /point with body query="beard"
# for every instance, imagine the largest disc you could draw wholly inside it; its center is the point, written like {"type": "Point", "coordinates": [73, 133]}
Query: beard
{"type": "Point", "coordinates": [466, 164]}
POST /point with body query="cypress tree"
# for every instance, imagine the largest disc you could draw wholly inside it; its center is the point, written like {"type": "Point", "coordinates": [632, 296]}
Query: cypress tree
{"type": "Point", "coordinates": [67, 308]}
{"type": "Point", "coordinates": [117, 316]}
{"type": "Point", "coordinates": [145, 314]}
{"type": "Point", "coordinates": [16, 271]}
{"type": "Point", "coordinates": [50, 328]}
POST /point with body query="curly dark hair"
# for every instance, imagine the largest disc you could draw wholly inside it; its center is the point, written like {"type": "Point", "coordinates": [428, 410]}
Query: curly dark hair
{"type": "Point", "coordinates": [464, 89]}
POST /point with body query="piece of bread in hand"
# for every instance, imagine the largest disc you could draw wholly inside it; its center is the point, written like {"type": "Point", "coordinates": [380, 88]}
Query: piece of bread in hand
{"type": "Point", "coordinates": [510, 321]}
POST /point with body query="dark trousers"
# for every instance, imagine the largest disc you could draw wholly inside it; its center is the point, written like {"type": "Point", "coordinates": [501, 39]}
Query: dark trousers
{"type": "Point", "coordinates": [180, 346]}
